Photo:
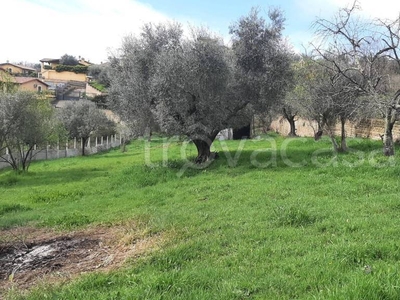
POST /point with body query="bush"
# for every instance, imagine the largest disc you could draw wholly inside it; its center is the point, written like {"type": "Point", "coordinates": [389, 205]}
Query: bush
{"type": "Point", "coordinates": [101, 101]}
{"type": "Point", "coordinates": [76, 69]}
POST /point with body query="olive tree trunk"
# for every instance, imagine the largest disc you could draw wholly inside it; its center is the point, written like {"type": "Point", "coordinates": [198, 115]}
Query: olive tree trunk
{"type": "Point", "coordinates": [290, 117]}
{"type": "Point", "coordinates": [84, 140]}
{"type": "Point", "coordinates": [203, 146]}
{"type": "Point", "coordinates": [292, 124]}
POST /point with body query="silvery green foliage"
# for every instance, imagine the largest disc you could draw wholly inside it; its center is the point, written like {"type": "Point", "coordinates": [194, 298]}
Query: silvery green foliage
{"type": "Point", "coordinates": [25, 121]}
{"type": "Point", "coordinates": [100, 73]}
{"type": "Point", "coordinates": [132, 72]}
{"type": "Point", "coordinates": [194, 84]}
{"type": "Point", "coordinates": [262, 59]}
{"type": "Point", "coordinates": [82, 119]}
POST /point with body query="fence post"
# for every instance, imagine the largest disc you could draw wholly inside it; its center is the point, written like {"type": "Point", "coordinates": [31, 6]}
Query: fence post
{"type": "Point", "coordinates": [74, 142]}
{"type": "Point", "coordinates": [107, 142]}
{"type": "Point", "coordinates": [96, 142]}
{"type": "Point", "coordinates": [58, 148]}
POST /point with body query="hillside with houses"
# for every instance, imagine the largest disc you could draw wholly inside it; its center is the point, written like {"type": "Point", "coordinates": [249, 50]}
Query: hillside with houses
{"type": "Point", "coordinates": [61, 80]}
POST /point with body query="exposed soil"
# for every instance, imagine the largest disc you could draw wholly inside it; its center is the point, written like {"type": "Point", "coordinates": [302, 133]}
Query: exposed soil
{"type": "Point", "coordinates": [29, 255]}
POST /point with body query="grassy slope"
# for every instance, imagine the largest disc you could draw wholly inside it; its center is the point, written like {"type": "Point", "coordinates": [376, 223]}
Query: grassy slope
{"type": "Point", "coordinates": [239, 231]}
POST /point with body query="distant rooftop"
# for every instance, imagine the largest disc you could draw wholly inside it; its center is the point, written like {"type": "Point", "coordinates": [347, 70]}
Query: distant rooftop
{"type": "Point", "coordinates": [50, 60]}
{"type": "Point", "coordinates": [19, 66]}
{"type": "Point", "coordinates": [81, 61]}
{"type": "Point", "coordinates": [22, 80]}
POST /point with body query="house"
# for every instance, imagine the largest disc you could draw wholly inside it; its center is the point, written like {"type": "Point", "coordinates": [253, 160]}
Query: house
{"type": "Point", "coordinates": [31, 84]}
{"type": "Point", "coordinates": [14, 69]}
{"type": "Point", "coordinates": [9, 83]}
{"type": "Point", "coordinates": [50, 73]}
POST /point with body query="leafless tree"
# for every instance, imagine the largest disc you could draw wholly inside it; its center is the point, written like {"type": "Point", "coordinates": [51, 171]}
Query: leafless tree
{"type": "Point", "coordinates": [363, 53]}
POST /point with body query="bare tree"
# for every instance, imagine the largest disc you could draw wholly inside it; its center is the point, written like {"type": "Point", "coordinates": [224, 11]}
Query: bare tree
{"type": "Point", "coordinates": [82, 119]}
{"type": "Point", "coordinates": [361, 52]}
{"type": "Point", "coordinates": [292, 105]}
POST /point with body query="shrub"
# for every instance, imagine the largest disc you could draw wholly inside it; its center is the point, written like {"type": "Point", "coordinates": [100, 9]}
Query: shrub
{"type": "Point", "coordinates": [76, 69]}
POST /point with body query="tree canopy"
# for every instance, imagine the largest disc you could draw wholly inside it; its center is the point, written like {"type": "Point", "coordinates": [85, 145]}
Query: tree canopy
{"type": "Point", "coordinates": [26, 121]}
{"type": "Point", "coordinates": [83, 119]}
{"type": "Point", "coordinates": [68, 60]}
{"type": "Point", "coordinates": [194, 84]}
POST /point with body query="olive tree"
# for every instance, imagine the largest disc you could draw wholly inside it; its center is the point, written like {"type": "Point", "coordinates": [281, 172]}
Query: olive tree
{"type": "Point", "coordinates": [195, 85]}
{"type": "Point", "coordinates": [100, 73]}
{"type": "Point", "coordinates": [82, 119]}
{"type": "Point", "coordinates": [26, 121]}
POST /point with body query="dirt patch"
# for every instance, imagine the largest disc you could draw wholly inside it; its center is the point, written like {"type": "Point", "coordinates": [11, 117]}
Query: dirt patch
{"type": "Point", "coordinates": [29, 255]}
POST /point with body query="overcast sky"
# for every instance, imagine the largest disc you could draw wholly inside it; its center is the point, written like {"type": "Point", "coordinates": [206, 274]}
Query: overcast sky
{"type": "Point", "coordinates": [36, 29]}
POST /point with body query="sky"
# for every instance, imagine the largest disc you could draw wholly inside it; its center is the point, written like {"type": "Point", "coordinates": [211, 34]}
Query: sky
{"type": "Point", "coordinates": [92, 29]}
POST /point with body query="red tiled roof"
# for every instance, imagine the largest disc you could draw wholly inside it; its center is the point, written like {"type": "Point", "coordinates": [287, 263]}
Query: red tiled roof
{"type": "Point", "coordinates": [21, 80]}
{"type": "Point", "coordinates": [19, 66]}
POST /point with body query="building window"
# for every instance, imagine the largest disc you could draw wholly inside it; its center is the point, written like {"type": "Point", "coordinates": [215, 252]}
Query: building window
{"type": "Point", "coordinates": [10, 70]}
{"type": "Point", "coordinates": [39, 89]}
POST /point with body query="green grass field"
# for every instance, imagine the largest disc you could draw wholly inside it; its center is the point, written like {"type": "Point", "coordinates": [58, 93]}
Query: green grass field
{"type": "Point", "coordinates": [285, 219]}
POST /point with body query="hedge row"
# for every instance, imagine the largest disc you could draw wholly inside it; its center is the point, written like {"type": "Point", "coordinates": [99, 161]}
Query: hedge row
{"type": "Point", "coordinates": [76, 69]}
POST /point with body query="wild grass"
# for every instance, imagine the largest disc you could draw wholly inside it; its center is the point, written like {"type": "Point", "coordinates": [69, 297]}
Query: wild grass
{"type": "Point", "coordinates": [285, 219]}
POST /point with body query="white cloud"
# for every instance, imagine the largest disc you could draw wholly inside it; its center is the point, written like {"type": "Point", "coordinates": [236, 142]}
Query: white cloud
{"type": "Point", "coordinates": [87, 28]}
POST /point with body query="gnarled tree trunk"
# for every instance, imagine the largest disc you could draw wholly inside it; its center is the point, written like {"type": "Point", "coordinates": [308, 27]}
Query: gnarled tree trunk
{"type": "Point", "coordinates": [203, 146]}
{"type": "Point", "coordinates": [390, 119]}
{"type": "Point", "coordinates": [292, 122]}
{"type": "Point", "coordinates": [203, 151]}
